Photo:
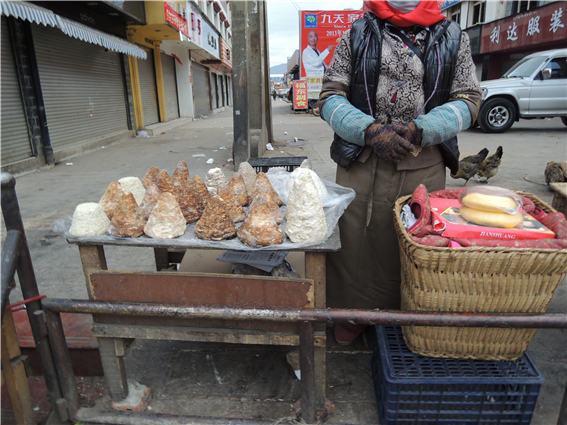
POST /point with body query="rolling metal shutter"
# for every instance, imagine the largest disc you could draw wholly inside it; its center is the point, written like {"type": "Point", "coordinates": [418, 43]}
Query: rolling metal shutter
{"type": "Point", "coordinates": [170, 87]}
{"type": "Point", "coordinates": [221, 78]}
{"type": "Point", "coordinates": [200, 90]}
{"type": "Point", "coordinates": [147, 75]}
{"type": "Point", "coordinates": [227, 86]}
{"type": "Point", "coordinates": [15, 137]}
{"type": "Point", "coordinates": [82, 86]}
{"type": "Point", "coordinates": [216, 100]}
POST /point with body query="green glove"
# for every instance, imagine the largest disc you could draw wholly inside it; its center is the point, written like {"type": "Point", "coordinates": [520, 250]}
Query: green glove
{"type": "Point", "coordinates": [387, 143]}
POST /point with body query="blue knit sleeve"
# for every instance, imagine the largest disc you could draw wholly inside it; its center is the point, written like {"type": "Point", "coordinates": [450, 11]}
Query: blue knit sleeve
{"type": "Point", "coordinates": [346, 120]}
{"type": "Point", "coordinates": [444, 122]}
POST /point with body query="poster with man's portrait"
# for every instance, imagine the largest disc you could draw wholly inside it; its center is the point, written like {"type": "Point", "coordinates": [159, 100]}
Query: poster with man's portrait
{"type": "Point", "coordinates": [320, 33]}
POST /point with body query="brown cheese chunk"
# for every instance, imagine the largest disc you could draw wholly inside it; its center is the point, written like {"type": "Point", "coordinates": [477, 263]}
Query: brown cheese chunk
{"type": "Point", "coordinates": [127, 221]}
{"type": "Point", "coordinates": [215, 224]}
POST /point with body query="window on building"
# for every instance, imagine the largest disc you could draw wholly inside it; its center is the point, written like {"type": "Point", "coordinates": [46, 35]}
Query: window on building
{"type": "Point", "coordinates": [514, 7]}
{"type": "Point", "coordinates": [523, 6]}
{"type": "Point", "coordinates": [454, 13]}
{"type": "Point", "coordinates": [478, 12]}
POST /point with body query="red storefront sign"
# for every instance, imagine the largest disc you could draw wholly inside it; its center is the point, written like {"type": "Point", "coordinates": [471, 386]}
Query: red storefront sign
{"type": "Point", "coordinates": [328, 27]}
{"type": "Point", "coordinates": [300, 94]}
{"type": "Point", "coordinates": [175, 19]}
{"type": "Point", "coordinates": [542, 25]}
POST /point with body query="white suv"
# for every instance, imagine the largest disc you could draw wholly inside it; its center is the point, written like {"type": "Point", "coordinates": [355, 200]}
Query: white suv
{"type": "Point", "coordinates": [536, 87]}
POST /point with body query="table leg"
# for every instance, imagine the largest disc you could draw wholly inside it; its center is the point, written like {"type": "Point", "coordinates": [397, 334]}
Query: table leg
{"type": "Point", "coordinates": [92, 259]}
{"type": "Point", "coordinates": [111, 352]}
{"type": "Point", "coordinates": [307, 365]}
{"type": "Point", "coordinates": [315, 269]}
{"type": "Point", "coordinates": [559, 202]}
{"type": "Point", "coordinates": [112, 358]}
{"type": "Point", "coordinates": [162, 258]}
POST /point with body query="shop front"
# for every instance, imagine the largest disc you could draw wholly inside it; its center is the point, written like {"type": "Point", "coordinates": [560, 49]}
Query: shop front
{"type": "Point", "coordinates": [508, 40]}
{"type": "Point", "coordinates": [16, 143]}
{"type": "Point", "coordinates": [148, 89]}
{"type": "Point", "coordinates": [82, 86]}
{"type": "Point", "coordinates": [64, 84]}
{"type": "Point", "coordinates": [161, 87]}
{"type": "Point", "coordinates": [207, 70]}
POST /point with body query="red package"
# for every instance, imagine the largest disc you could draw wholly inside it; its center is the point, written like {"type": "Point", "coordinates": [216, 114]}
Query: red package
{"type": "Point", "coordinates": [448, 222]}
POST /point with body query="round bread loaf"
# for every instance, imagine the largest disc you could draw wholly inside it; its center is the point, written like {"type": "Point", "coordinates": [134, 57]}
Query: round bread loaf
{"type": "Point", "coordinates": [480, 201]}
{"type": "Point", "coordinates": [490, 218]}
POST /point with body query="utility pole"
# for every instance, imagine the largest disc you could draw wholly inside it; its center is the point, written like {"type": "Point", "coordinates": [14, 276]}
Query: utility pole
{"type": "Point", "coordinates": [252, 108]}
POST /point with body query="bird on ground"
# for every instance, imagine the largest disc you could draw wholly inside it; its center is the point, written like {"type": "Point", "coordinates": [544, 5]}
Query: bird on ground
{"type": "Point", "coordinates": [554, 173]}
{"type": "Point", "coordinates": [468, 166]}
{"type": "Point", "coordinates": [489, 166]}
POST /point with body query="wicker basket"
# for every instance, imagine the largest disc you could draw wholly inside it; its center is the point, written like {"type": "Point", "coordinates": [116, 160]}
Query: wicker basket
{"type": "Point", "coordinates": [475, 279]}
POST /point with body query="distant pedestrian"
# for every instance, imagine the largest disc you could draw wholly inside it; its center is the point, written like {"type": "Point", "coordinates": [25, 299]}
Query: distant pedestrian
{"type": "Point", "coordinates": [274, 93]}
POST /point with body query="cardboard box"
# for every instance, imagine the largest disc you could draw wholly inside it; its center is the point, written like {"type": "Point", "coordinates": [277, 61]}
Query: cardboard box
{"type": "Point", "coordinates": [205, 261]}
{"type": "Point", "coordinates": [447, 217]}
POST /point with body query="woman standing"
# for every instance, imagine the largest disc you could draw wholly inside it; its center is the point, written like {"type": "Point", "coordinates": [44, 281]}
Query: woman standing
{"type": "Point", "coordinates": [401, 85]}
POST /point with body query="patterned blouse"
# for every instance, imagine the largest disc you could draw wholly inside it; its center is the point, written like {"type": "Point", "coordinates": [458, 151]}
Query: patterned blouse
{"type": "Point", "coordinates": [400, 94]}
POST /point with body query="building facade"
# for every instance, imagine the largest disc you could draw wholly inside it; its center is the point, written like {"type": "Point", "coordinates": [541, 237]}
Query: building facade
{"type": "Point", "coordinates": [191, 44]}
{"type": "Point", "coordinates": [504, 32]}
{"type": "Point", "coordinates": [211, 61]}
{"type": "Point", "coordinates": [79, 75]}
{"type": "Point", "coordinates": [65, 80]}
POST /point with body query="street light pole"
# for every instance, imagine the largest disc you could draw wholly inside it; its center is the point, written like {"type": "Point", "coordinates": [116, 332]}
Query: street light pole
{"type": "Point", "coordinates": [252, 111]}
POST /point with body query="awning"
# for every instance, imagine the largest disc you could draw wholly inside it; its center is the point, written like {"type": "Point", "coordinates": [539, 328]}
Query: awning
{"type": "Point", "coordinates": [39, 15]}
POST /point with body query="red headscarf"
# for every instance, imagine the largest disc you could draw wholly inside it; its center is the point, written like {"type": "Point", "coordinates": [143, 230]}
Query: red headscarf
{"type": "Point", "coordinates": [426, 13]}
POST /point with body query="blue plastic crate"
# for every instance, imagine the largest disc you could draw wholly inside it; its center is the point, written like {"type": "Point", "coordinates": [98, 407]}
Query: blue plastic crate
{"type": "Point", "coordinates": [413, 389]}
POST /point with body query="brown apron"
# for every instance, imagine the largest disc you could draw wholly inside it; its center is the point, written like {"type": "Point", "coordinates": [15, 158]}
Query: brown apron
{"type": "Point", "coordinates": [365, 273]}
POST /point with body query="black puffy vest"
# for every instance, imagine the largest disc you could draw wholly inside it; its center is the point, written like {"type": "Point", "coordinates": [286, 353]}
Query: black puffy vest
{"type": "Point", "coordinates": [448, 36]}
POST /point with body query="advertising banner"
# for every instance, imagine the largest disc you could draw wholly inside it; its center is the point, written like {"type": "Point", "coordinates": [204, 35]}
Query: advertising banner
{"type": "Point", "coordinates": [175, 19]}
{"type": "Point", "coordinates": [320, 32]}
{"type": "Point", "coordinates": [300, 94]}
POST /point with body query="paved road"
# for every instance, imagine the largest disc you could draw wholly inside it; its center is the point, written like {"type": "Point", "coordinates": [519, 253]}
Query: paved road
{"type": "Point", "coordinates": [48, 198]}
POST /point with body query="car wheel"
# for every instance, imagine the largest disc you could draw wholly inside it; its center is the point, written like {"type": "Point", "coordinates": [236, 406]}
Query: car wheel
{"type": "Point", "coordinates": [496, 115]}
{"type": "Point", "coordinates": [564, 120]}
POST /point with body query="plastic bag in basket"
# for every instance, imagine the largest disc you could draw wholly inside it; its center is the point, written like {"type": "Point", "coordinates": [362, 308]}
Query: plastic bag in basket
{"type": "Point", "coordinates": [491, 199]}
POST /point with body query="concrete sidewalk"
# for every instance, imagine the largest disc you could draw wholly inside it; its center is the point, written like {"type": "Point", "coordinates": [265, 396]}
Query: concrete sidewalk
{"type": "Point", "coordinates": [258, 381]}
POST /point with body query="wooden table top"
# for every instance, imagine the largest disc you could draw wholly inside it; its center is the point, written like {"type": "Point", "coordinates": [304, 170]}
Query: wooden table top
{"type": "Point", "coordinates": [560, 187]}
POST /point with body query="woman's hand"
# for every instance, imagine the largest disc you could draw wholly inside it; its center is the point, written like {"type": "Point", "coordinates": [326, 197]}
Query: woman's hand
{"type": "Point", "coordinates": [411, 132]}
{"type": "Point", "coordinates": [387, 143]}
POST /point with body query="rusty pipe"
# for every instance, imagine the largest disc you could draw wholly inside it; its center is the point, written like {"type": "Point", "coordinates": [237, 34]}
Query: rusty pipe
{"type": "Point", "coordinates": [363, 317]}
{"type": "Point", "coordinates": [28, 285]}
{"type": "Point", "coordinates": [10, 258]}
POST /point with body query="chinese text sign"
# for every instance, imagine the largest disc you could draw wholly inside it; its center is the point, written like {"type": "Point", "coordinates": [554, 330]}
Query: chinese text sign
{"type": "Point", "coordinates": [300, 94]}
